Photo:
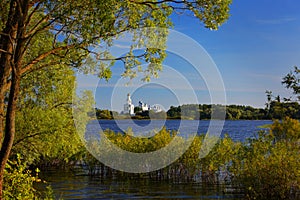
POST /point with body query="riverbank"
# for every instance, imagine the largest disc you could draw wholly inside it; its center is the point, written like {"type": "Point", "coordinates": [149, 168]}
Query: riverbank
{"type": "Point", "coordinates": [274, 110]}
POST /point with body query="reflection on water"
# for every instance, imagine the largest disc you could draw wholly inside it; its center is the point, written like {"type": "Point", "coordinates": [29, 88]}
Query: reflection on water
{"type": "Point", "coordinates": [67, 185]}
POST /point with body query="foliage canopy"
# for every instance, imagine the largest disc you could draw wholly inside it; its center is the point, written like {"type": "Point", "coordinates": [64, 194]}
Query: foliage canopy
{"type": "Point", "coordinates": [66, 31]}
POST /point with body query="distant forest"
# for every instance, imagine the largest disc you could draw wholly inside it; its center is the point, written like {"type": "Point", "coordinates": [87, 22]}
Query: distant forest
{"type": "Point", "coordinates": [273, 110]}
{"type": "Point", "coordinates": [276, 107]}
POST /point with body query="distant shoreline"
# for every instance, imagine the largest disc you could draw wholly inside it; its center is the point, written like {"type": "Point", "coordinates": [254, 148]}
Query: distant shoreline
{"type": "Point", "coordinates": [188, 119]}
{"type": "Point", "coordinates": [275, 110]}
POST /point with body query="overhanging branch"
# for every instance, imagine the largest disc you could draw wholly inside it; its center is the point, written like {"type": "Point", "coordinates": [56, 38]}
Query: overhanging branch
{"type": "Point", "coordinates": [42, 56]}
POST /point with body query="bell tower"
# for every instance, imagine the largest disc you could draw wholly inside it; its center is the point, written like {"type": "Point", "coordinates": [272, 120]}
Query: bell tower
{"type": "Point", "coordinates": [128, 106]}
{"type": "Point", "coordinates": [128, 99]}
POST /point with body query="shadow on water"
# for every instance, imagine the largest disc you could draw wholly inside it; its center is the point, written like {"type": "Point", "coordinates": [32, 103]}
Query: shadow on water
{"type": "Point", "coordinates": [68, 185]}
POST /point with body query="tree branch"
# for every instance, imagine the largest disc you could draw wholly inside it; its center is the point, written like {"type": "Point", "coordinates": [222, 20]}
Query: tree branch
{"type": "Point", "coordinates": [29, 136]}
{"type": "Point", "coordinates": [42, 56]}
{"type": "Point", "coordinates": [158, 2]}
{"type": "Point", "coordinates": [33, 11]}
{"type": "Point", "coordinates": [41, 67]}
{"type": "Point", "coordinates": [60, 104]}
{"type": "Point", "coordinates": [36, 28]}
{"type": "Point", "coordinates": [3, 51]}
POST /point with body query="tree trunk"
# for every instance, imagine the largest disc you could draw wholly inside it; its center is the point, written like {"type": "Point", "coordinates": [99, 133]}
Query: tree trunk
{"type": "Point", "coordinates": [9, 123]}
{"type": "Point", "coordinates": [7, 41]}
{"type": "Point", "coordinates": [12, 42]}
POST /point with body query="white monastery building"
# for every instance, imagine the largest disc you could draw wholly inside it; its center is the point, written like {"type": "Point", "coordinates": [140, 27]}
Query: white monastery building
{"type": "Point", "coordinates": [144, 106]}
{"type": "Point", "coordinates": [129, 107]}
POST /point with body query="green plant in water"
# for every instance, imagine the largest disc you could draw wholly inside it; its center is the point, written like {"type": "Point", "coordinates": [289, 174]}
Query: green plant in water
{"type": "Point", "coordinates": [266, 167]}
{"type": "Point", "coordinates": [19, 182]}
{"type": "Point", "coordinates": [269, 167]}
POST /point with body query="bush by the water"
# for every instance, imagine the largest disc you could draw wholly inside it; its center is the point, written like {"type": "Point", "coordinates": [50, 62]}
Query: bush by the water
{"type": "Point", "coordinates": [268, 167]}
{"type": "Point", "coordinates": [265, 167]}
{"type": "Point", "coordinates": [19, 182]}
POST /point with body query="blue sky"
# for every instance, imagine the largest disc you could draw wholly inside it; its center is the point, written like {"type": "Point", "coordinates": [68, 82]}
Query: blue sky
{"type": "Point", "coordinates": [253, 50]}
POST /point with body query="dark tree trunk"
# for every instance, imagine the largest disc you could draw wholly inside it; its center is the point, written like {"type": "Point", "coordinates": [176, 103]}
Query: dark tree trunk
{"type": "Point", "coordinates": [9, 123]}
{"type": "Point", "coordinates": [13, 43]}
{"type": "Point", "coordinates": [7, 41]}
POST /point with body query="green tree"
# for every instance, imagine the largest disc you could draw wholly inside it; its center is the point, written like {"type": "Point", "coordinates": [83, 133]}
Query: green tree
{"type": "Point", "coordinates": [174, 112]}
{"type": "Point", "coordinates": [260, 165]}
{"type": "Point", "coordinates": [44, 118]}
{"type": "Point", "coordinates": [288, 130]}
{"type": "Point", "coordinates": [72, 28]}
{"type": "Point", "coordinates": [137, 109]}
{"type": "Point", "coordinates": [292, 81]}
{"type": "Point", "coordinates": [269, 98]}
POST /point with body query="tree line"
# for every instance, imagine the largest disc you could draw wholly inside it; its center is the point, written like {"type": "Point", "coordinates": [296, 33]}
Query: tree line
{"type": "Point", "coordinates": [276, 107]}
{"type": "Point", "coordinates": [275, 110]}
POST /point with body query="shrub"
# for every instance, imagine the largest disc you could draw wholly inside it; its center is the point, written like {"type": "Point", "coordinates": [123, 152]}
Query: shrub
{"type": "Point", "coordinates": [19, 182]}
{"type": "Point", "coordinates": [268, 169]}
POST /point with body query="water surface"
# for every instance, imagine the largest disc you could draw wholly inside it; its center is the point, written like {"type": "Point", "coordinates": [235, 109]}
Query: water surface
{"type": "Point", "coordinates": [67, 185]}
{"type": "Point", "coordinates": [71, 186]}
{"type": "Point", "coordinates": [238, 130]}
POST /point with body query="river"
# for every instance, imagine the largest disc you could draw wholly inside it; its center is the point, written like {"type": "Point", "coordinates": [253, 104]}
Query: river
{"type": "Point", "coordinates": [68, 185]}
{"type": "Point", "coordinates": [238, 130]}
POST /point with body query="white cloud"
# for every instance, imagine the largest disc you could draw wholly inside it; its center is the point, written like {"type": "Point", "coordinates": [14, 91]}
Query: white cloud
{"type": "Point", "coordinates": [282, 20]}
